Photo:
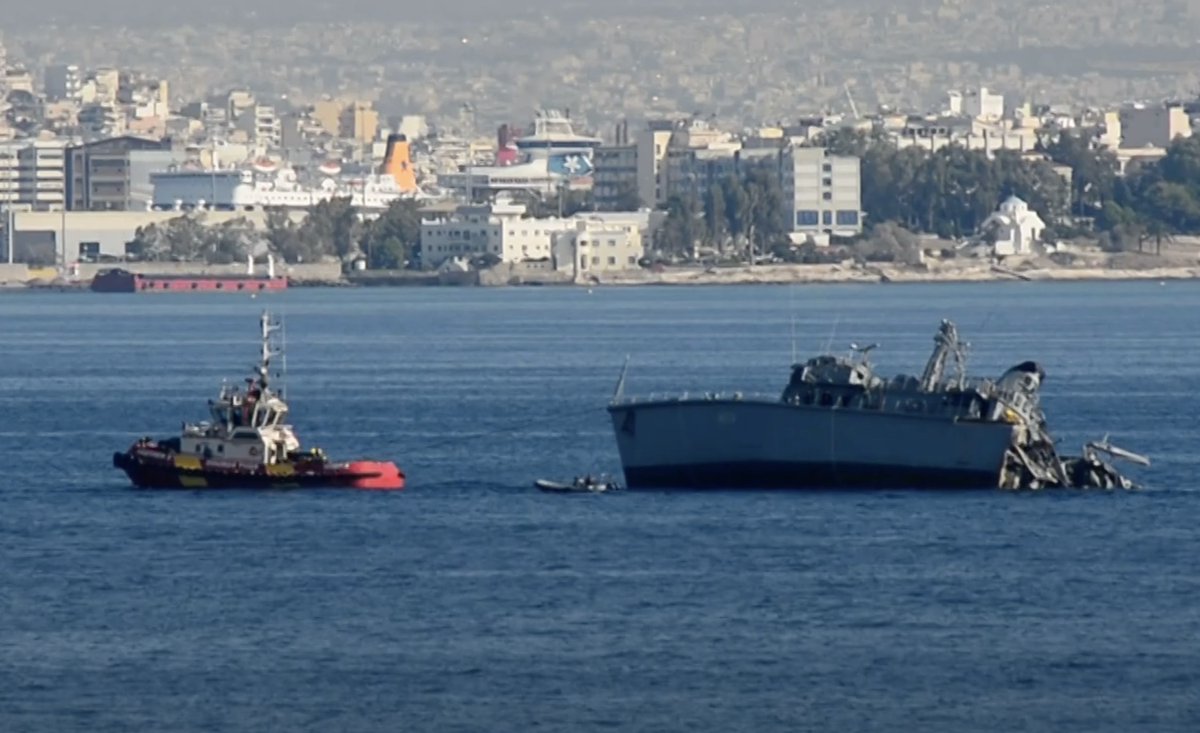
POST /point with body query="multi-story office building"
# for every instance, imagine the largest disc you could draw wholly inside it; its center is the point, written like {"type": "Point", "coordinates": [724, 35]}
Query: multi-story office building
{"type": "Point", "coordinates": [822, 193]}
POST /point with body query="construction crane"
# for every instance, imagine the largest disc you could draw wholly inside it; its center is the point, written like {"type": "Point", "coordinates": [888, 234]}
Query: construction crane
{"type": "Point", "coordinates": [850, 99]}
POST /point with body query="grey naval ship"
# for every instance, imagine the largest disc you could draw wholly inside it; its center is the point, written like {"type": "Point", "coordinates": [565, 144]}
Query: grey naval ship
{"type": "Point", "coordinates": [838, 424]}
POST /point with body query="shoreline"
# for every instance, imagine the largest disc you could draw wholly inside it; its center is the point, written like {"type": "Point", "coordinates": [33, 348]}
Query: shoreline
{"type": "Point", "coordinates": [740, 275]}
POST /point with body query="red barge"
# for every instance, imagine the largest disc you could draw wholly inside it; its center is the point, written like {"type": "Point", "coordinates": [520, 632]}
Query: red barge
{"type": "Point", "coordinates": [247, 444]}
{"type": "Point", "coordinates": [117, 280]}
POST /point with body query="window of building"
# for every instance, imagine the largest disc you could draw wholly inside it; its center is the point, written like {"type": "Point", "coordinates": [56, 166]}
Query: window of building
{"type": "Point", "coordinates": [89, 250]}
{"type": "Point", "coordinates": [806, 217]}
{"type": "Point", "coordinates": [847, 218]}
{"type": "Point", "coordinates": [632, 260]}
{"type": "Point", "coordinates": [612, 243]}
{"type": "Point", "coordinates": [595, 260]}
{"type": "Point", "coordinates": [827, 181]}
{"type": "Point", "coordinates": [612, 261]}
{"type": "Point", "coordinates": [827, 196]}
{"type": "Point", "coordinates": [828, 167]}
{"type": "Point", "coordinates": [583, 262]}
{"type": "Point", "coordinates": [826, 217]}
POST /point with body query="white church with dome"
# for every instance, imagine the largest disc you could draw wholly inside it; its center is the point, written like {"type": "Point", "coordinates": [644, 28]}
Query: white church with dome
{"type": "Point", "coordinates": [1016, 227]}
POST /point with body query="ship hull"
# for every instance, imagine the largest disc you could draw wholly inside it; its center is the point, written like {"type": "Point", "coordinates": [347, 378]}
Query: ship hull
{"type": "Point", "coordinates": [706, 444]}
{"type": "Point", "coordinates": [154, 470]}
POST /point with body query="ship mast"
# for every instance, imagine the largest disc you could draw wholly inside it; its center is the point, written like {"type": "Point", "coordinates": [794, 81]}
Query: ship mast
{"type": "Point", "coordinates": [269, 349]}
{"type": "Point", "coordinates": [946, 346]}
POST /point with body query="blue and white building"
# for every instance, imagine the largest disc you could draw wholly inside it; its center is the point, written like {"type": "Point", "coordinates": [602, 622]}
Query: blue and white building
{"type": "Point", "coordinates": [822, 194]}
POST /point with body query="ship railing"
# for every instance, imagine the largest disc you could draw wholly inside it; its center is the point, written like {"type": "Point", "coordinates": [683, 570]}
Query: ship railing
{"type": "Point", "coordinates": [730, 396]}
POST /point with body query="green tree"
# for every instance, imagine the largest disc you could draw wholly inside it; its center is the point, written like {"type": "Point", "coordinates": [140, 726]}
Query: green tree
{"type": "Point", "coordinates": [682, 227]}
{"type": "Point", "coordinates": [391, 239]}
{"type": "Point", "coordinates": [764, 210]}
{"type": "Point", "coordinates": [715, 221]}
{"type": "Point", "coordinates": [288, 240]}
{"type": "Point", "coordinates": [332, 227]}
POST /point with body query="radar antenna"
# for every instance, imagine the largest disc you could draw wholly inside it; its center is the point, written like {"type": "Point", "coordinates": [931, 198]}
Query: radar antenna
{"type": "Point", "coordinates": [862, 351]}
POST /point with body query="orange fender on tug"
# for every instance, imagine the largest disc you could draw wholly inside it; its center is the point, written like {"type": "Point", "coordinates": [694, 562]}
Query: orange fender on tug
{"type": "Point", "coordinates": [377, 475]}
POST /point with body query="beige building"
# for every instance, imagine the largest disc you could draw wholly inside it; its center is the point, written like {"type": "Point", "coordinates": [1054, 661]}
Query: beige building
{"type": "Point", "coordinates": [358, 121]}
{"type": "Point", "coordinates": [1143, 127]}
{"type": "Point", "coordinates": [652, 145]}
{"type": "Point", "coordinates": [593, 247]}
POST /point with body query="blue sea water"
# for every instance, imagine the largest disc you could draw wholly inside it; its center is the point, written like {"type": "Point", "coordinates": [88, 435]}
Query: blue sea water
{"type": "Point", "coordinates": [472, 602]}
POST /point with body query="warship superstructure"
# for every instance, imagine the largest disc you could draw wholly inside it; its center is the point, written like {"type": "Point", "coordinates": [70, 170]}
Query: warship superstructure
{"type": "Point", "coordinates": [839, 424]}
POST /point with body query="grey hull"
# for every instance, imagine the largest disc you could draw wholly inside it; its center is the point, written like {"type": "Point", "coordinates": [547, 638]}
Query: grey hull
{"type": "Point", "coordinates": [760, 444]}
{"type": "Point", "coordinates": [764, 475]}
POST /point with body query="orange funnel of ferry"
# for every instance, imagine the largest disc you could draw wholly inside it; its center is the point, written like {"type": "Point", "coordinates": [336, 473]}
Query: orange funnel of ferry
{"type": "Point", "coordinates": [397, 162]}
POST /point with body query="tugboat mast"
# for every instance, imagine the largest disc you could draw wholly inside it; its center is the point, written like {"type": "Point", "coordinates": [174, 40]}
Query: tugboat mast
{"type": "Point", "coordinates": [269, 348]}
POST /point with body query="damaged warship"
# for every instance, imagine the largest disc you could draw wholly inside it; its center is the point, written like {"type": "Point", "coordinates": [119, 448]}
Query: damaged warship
{"type": "Point", "coordinates": [838, 424]}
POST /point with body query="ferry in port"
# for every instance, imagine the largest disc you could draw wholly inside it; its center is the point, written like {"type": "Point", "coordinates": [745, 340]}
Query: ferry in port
{"type": "Point", "coordinates": [552, 155]}
{"type": "Point", "coordinates": [267, 183]}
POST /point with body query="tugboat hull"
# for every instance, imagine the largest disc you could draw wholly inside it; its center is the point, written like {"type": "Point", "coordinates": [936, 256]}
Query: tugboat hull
{"type": "Point", "coordinates": [174, 471]}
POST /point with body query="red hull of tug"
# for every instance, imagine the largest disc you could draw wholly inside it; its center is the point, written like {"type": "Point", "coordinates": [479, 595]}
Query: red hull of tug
{"type": "Point", "coordinates": [153, 468]}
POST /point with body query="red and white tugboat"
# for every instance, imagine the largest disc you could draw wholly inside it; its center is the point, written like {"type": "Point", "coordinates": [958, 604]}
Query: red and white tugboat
{"type": "Point", "coordinates": [247, 444]}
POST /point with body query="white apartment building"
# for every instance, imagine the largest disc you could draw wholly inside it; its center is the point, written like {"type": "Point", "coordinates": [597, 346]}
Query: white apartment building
{"type": "Point", "coordinates": [978, 104]}
{"type": "Point", "coordinates": [593, 247]}
{"type": "Point", "coordinates": [503, 230]}
{"type": "Point", "coordinates": [822, 194]}
{"type": "Point", "coordinates": [499, 229]}
{"type": "Point", "coordinates": [32, 174]}
{"type": "Point", "coordinates": [64, 82]}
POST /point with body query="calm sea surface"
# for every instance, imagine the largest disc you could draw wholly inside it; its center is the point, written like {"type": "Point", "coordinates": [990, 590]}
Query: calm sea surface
{"type": "Point", "coordinates": [472, 602]}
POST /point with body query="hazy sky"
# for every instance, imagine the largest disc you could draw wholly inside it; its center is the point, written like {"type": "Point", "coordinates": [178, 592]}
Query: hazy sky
{"type": "Point", "coordinates": [274, 12]}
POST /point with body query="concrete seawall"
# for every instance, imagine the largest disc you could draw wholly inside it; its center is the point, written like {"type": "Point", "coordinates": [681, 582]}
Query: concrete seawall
{"type": "Point", "coordinates": [317, 272]}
